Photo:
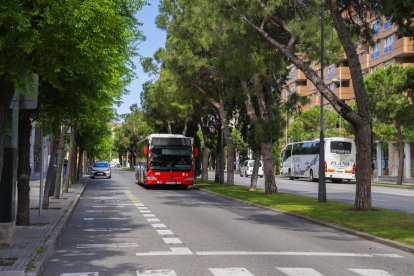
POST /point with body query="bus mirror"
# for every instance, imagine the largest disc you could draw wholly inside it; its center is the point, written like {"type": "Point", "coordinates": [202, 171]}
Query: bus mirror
{"type": "Point", "coordinates": [196, 152]}
{"type": "Point", "coordinates": [145, 150]}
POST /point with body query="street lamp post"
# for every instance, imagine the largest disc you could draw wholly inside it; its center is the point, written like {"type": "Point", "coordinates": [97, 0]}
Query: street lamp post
{"type": "Point", "coordinates": [322, 184]}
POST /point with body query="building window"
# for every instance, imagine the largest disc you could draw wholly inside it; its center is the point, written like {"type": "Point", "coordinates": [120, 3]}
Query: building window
{"type": "Point", "coordinates": [375, 51]}
{"type": "Point", "coordinates": [331, 86]}
{"type": "Point", "coordinates": [376, 26]}
{"type": "Point", "coordinates": [292, 73]}
{"type": "Point", "coordinates": [387, 24]}
{"type": "Point", "coordinates": [388, 63]}
{"type": "Point", "coordinates": [330, 71]}
{"type": "Point", "coordinates": [389, 40]}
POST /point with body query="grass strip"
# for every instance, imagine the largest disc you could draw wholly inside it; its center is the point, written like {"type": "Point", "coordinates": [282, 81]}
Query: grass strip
{"type": "Point", "coordinates": [392, 225]}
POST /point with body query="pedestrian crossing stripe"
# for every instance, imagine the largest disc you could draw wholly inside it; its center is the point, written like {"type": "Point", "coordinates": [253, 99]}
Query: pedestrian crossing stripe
{"type": "Point", "coordinates": [299, 271]}
{"type": "Point", "coordinates": [241, 271]}
{"type": "Point", "coordinates": [370, 272]}
{"type": "Point", "coordinates": [233, 271]}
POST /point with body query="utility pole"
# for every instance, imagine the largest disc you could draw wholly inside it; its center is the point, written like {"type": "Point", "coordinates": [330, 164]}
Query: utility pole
{"type": "Point", "coordinates": [322, 184]}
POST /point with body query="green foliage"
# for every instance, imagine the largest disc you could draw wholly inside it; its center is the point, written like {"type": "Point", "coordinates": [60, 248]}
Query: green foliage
{"type": "Point", "coordinates": [306, 125]}
{"type": "Point", "coordinates": [390, 95]}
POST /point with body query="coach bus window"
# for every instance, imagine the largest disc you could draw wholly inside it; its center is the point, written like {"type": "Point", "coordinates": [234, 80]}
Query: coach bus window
{"type": "Point", "coordinates": [341, 147]}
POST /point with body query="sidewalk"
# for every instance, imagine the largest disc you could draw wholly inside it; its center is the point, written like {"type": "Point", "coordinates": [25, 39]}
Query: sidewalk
{"type": "Point", "coordinates": [33, 244]}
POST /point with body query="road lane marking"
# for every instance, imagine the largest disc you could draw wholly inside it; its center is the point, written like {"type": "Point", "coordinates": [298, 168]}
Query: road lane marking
{"type": "Point", "coordinates": [370, 272]}
{"type": "Point", "coordinates": [81, 274]}
{"type": "Point", "coordinates": [175, 251]}
{"type": "Point", "coordinates": [102, 211]}
{"type": "Point", "coordinates": [316, 254]}
{"type": "Point", "coordinates": [165, 232]}
{"type": "Point", "coordinates": [112, 206]}
{"type": "Point", "coordinates": [158, 272]}
{"type": "Point", "coordinates": [149, 215]}
{"type": "Point", "coordinates": [79, 254]}
{"type": "Point", "coordinates": [142, 208]}
{"type": "Point", "coordinates": [153, 220]}
{"type": "Point", "coordinates": [106, 229]}
{"type": "Point", "coordinates": [107, 245]}
{"type": "Point", "coordinates": [145, 211]}
{"type": "Point", "coordinates": [230, 271]}
{"type": "Point", "coordinates": [299, 271]}
{"type": "Point", "coordinates": [90, 219]}
{"type": "Point", "coordinates": [172, 240]}
{"type": "Point", "coordinates": [159, 225]}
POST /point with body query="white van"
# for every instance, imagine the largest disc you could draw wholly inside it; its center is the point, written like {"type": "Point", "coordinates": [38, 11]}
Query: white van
{"type": "Point", "coordinates": [246, 169]}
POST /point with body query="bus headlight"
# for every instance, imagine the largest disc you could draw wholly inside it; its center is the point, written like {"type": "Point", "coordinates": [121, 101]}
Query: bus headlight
{"type": "Point", "coordinates": [189, 179]}
{"type": "Point", "coordinates": [152, 178]}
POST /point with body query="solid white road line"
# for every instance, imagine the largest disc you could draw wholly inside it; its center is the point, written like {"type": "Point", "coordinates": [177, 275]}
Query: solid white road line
{"type": "Point", "coordinates": [79, 254]}
{"type": "Point", "coordinates": [316, 254]}
{"type": "Point", "coordinates": [165, 232]}
{"type": "Point", "coordinates": [120, 205]}
{"type": "Point", "coordinates": [299, 271]}
{"type": "Point", "coordinates": [370, 272]}
{"type": "Point", "coordinates": [106, 229]}
{"type": "Point", "coordinates": [159, 225]}
{"type": "Point", "coordinates": [175, 251]}
{"type": "Point", "coordinates": [172, 240]}
{"type": "Point", "coordinates": [159, 272]}
{"type": "Point", "coordinates": [230, 271]}
{"type": "Point", "coordinates": [81, 274]}
{"type": "Point", "coordinates": [107, 245]}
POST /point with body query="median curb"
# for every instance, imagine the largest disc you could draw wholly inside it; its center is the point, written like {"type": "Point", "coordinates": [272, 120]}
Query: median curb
{"type": "Point", "coordinates": [391, 243]}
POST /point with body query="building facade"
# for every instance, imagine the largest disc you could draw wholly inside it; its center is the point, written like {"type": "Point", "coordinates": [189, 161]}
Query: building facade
{"type": "Point", "coordinates": [389, 48]}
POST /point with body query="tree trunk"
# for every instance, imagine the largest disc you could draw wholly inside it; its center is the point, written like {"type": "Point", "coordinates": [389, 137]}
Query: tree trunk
{"type": "Point", "coordinates": [217, 158]}
{"type": "Point", "coordinates": [61, 157]}
{"type": "Point", "coordinates": [6, 96]}
{"type": "Point", "coordinates": [400, 141]}
{"type": "Point", "coordinates": [253, 180]}
{"type": "Point", "coordinates": [79, 171]}
{"type": "Point", "coordinates": [72, 155]}
{"type": "Point", "coordinates": [51, 172]}
{"type": "Point", "coordinates": [205, 155]}
{"type": "Point", "coordinates": [169, 130]}
{"type": "Point", "coordinates": [229, 144]}
{"type": "Point", "coordinates": [23, 169]}
{"type": "Point", "coordinates": [204, 162]}
{"type": "Point", "coordinates": [185, 128]}
{"type": "Point", "coordinates": [74, 161]}
{"type": "Point", "coordinates": [363, 168]}
{"type": "Point", "coordinates": [268, 168]}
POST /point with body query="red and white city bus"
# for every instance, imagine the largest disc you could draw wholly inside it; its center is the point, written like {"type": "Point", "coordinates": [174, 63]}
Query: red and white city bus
{"type": "Point", "coordinates": [166, 159]}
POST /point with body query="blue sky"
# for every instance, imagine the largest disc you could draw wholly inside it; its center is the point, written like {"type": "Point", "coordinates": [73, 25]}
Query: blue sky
{"type": "Point", "coordinates": [155, 38]}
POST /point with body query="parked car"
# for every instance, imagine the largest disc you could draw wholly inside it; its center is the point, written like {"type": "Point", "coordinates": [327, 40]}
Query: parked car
{"type": "Point", "coordinates": [100, 169]}
{"type": "Point", "coordinates": [246, 169]}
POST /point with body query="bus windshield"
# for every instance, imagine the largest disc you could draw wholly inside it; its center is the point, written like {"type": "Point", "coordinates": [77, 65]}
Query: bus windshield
{"type": "Point", "coordinates": [170, 158]}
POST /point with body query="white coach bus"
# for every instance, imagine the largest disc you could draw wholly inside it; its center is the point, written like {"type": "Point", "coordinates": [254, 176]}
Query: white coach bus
{"type": "Point", "coordinates": [301, 159]}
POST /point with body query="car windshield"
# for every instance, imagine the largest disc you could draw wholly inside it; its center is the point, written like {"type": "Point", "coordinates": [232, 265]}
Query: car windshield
{"type": "Point", "coordinates": [251, 164]}
{"type": "Point", "coordinates": [101, 165]}
{"type": "Point", "coordinates": [170, 158]}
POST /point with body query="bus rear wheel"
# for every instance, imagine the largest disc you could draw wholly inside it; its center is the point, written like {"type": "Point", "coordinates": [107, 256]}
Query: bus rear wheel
{"type": "Point", "coordinates": [290, 175]}
{"type": "Point", "coordinates": [311, 178]}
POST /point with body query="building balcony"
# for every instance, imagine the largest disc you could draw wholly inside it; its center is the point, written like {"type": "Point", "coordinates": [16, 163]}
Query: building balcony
{"type": "Point", "coordinates": [296, 75]}
{"type": "Point", "coordinates": [341, 73]}
{"type": "Point", "coordinates": [403, 47]}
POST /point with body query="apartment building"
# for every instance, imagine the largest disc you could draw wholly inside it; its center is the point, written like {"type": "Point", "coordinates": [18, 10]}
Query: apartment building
{"type": "Point", "coordinates": [389, 48]}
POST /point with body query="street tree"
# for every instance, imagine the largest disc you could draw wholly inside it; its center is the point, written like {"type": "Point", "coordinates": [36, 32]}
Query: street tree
{"type": "Point", "coordinates": [290, 27]}
{"type": "Point", "coordinates": [389, 91]}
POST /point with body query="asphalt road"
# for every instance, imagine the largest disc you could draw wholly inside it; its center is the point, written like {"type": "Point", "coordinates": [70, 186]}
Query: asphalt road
{"type": "Point", "coordinates": [382, 197]}
{"type": "Point", "coordinates": [120, 228]}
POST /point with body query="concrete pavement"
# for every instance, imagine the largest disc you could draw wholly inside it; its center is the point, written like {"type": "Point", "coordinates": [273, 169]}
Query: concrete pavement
{"type": "Point", "coordinates": [34, 243]}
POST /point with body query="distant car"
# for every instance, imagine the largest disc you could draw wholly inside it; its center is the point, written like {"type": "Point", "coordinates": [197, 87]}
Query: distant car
{"type": "Point", "coordinates": [100, 169]}
{"type": "Point", "coordinates": [246, 169]}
